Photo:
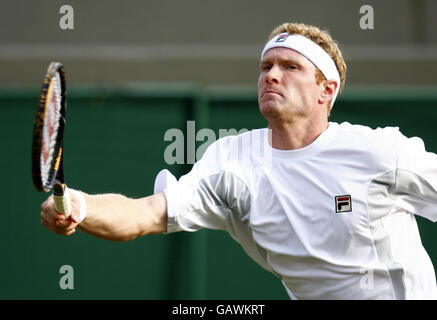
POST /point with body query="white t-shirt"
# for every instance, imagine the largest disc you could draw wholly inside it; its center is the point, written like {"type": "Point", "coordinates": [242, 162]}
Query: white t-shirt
{"type": "Point", "coordinates": [333, 220]}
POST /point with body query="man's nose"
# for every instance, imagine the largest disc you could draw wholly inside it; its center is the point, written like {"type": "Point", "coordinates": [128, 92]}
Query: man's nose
{"type": "Point", "coordinates": [272, 76]}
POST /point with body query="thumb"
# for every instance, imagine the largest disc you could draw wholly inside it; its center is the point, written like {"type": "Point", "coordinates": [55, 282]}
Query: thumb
{"type": "Point", "coordinates": [74, 217]}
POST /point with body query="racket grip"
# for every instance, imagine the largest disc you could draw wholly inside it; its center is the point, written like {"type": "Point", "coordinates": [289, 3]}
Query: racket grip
{"type": "Point", "coordinates": [62, 199]}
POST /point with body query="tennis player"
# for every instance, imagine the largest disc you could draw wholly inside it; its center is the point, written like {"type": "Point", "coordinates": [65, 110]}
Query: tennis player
{"type": "Point", "coordinates": [328, 208]}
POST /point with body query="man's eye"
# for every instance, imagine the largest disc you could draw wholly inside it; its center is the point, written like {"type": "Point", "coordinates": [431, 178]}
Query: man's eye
{"type": "Point", "coordinates": [267, 68]}
{"type": "Point", "coordinates": [292, 67]}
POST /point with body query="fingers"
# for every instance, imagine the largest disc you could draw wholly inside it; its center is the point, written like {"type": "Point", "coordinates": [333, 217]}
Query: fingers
{"type": "Point", "coordinates": [56, 221]}
{"type": "Point", "coordinates": [49, 206]}
{"type": "Point", "coordinates": [59, 230]}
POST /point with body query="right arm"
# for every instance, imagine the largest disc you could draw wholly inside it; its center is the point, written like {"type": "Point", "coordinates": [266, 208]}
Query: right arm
{"type": "Point", "coordinates": [110, 216]}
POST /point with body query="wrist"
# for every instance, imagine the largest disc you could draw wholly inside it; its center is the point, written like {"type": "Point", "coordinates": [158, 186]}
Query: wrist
{"type": "Point", "coordinates": [82, 204]}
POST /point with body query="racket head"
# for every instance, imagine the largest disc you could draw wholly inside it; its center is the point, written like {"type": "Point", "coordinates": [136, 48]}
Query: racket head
{"type": "Point", "coordinates": [48, 131]}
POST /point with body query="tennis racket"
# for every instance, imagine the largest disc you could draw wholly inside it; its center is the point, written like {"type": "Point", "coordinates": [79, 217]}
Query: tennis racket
{"type": "Point", "coordinates": [48, 139]}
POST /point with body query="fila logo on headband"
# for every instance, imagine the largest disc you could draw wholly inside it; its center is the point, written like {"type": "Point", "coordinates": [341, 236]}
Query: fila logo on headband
{"type": "Point", "coordinates": [282, 37]}
{"type": "Point", "coordinates": [343, 204]}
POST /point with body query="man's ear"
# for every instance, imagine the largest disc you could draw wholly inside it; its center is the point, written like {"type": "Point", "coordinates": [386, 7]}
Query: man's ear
{"type": "Point", "coordinates": [329, 87]}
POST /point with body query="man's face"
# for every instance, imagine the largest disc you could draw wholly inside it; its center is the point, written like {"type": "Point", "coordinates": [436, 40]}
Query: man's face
{"type": "Point", "coordinates": [286, 86]}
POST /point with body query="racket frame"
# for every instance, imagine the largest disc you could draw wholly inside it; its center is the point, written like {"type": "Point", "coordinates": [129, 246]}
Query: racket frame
{"type": "Point", "coordinates": [56, 172]}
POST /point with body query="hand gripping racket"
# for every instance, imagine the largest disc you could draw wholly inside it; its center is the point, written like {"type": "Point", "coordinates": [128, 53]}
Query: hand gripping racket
{"type": "Point", "coordinates": [48, 139]}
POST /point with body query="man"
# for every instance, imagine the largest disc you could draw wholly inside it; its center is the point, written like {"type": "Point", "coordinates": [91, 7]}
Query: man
{"type": "Point", "coordinates": [328, 208]}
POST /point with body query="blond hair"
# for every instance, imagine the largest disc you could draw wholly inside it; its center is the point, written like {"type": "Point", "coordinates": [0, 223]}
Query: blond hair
{"type": "Point", "coordinates": [324, 40]}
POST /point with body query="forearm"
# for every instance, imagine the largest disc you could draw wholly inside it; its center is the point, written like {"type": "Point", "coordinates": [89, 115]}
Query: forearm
{"type": "Point", "coordinates": [118, 218]}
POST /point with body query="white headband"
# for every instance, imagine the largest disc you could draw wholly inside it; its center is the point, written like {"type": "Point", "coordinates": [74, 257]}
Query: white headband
{"type": "Point", "coordinates": [311, 51]}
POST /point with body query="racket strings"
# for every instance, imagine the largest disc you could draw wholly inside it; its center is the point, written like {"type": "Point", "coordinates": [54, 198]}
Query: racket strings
{"type": "Point", "coordinates": [50, 129]}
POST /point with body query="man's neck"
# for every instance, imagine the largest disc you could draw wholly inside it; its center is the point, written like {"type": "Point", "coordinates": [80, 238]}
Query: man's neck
{"type": "Point", "coordinates": [296, 134]}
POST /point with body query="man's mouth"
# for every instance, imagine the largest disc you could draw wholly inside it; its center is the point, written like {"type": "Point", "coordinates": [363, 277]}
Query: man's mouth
{"type": "Point", "coordinates": [272, 92]}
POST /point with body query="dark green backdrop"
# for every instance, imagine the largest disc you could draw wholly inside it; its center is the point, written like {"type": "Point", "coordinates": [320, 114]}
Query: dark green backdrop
{"type": "Point", "coordinates": [115, 143]}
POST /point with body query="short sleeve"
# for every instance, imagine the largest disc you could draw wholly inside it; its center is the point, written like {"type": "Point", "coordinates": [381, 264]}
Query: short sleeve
{"type": "Point", "coordinates": [416, 178]}
{"type": "Point", "coordinates": [209, 196]}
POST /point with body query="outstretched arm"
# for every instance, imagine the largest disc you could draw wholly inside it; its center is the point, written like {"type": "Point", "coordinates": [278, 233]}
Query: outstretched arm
{"type": "Point", "coordinates": [110, 216]}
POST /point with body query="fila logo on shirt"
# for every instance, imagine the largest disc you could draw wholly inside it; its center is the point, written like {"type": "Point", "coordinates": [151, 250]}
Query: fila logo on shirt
{"type": "Point", "coordinates": [343, 203]}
